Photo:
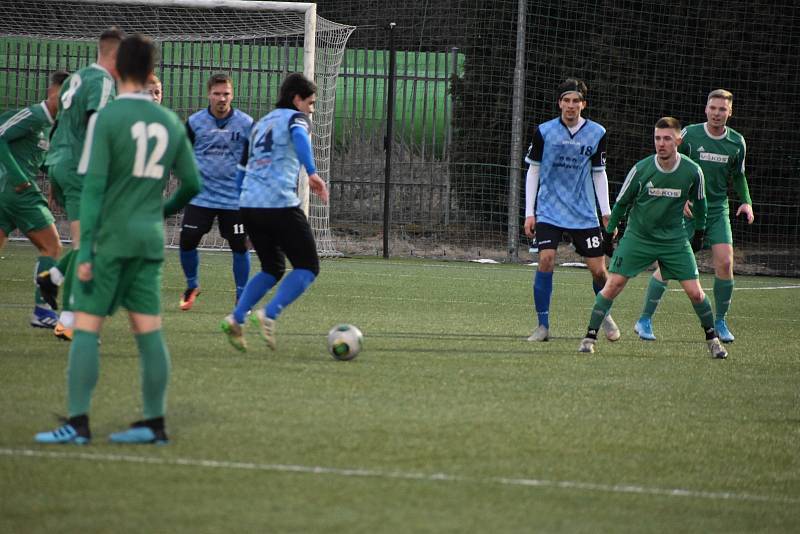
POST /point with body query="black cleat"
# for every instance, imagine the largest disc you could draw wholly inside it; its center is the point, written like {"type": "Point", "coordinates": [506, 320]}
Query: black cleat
{"type": "Point", "coordinates": [47, 288]}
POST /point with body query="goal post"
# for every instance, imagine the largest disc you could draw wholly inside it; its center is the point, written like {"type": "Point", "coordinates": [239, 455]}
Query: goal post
{"type": "Point", "coordinates": [256, 42]}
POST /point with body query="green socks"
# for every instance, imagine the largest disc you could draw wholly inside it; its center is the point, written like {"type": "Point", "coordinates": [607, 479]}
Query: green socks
{"type": "Point", "coordinates": [601, 308]}
{"type": "Point", "coordinates": [155, 367]}
{"type": "Point", "coordinates": [723, 293]}
{"type": "Point", "coordinates": [655, 290]}
{"type": "Point", "coordinates": [703, 311]}
{"type": "Point", "coordinates": [43, 263]}
{"type": "Point", "coordinates": [69, 273]}
{"type": "Point", "coordinates": [82, 372]}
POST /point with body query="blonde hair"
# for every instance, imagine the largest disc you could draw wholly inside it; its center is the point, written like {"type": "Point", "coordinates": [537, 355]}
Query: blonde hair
{"type": "Point", "coordinates": [721, 93]}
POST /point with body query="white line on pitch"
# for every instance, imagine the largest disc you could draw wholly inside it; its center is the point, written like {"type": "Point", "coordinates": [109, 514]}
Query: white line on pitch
{"type": "Point", "coordinates": [757, 288]}
{"type": "Point", "coordinates": [427, 477]}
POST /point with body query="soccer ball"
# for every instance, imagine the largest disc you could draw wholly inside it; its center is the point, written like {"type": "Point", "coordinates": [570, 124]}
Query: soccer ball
{"type": "Point", "coordinates": [345, 341]}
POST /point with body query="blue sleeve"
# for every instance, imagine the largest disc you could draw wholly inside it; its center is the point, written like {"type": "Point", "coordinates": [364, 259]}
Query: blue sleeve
{"type": "Point", "coordinates": [302, 145]}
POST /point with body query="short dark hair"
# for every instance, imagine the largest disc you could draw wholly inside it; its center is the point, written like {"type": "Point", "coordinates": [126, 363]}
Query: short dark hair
{"type": "Point", "coordinates": [110, 39]}
{"type": "Point", "coordinates": [294, 84]}
{"type": "Point", "coordinates": [136, 58]}
{"type": "Point", "coordinates": [572, 85]}
{"type": "Point", "coordinates": [669, 122]}
{"type": "Point", "coordinates": [58, 77]}
{"type": "Point", "coordinates": [219, 77]}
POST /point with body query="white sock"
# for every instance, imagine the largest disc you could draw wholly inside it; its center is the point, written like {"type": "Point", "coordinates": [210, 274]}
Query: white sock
{"type": "Point", "coordinates": [56, 276]}
{"type": "Point", "coordinates": [67, 318]}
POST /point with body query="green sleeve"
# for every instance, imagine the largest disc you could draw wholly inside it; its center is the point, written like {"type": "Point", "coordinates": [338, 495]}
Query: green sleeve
{"type": "Point", "coordinates": [185, 168]}
{"type": "Point", "coordinates": [14, 172]}
{"type": "Point", "coordinates": [740, 180]}
{"type": "Point", "coordinates": [624, 201]}
{"type": "Point", "coordinates": [94, 186]}
{"type": "Point", "coordinates": [699, 202]}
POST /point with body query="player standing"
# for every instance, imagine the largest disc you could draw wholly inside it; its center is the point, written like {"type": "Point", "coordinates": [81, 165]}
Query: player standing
{"type": "Point", "coordinates": [83, 93]}
{"type": "Point", "coordinates": [154, 88]}
{"type": "Point", "coordinates": [566, 182]}
{"type": "Point", "coordinates": [219, 135]}
{"type": "Point", "coordinates": [653, 197]}
{"type": "Point", "coordinates": [720, 152]}
{"type": "Point", "coordinates": [24, 135]}
{"type": "Point", "coordinates": [279, 144]}
{"type": "Point", "coordinates": [131, 146]}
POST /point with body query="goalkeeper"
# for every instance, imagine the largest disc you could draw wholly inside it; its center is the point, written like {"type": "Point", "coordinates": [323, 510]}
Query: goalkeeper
{"type": "Point", "coordinates": [653, 195]}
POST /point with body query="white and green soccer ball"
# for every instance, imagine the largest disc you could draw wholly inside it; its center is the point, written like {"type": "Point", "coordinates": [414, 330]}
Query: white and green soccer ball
{"type": "Point", "coordinates": [345, 341]}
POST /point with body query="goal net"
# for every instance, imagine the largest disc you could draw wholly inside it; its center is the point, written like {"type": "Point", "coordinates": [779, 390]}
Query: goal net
{"type": "Point", "coordinates": [257, 43]}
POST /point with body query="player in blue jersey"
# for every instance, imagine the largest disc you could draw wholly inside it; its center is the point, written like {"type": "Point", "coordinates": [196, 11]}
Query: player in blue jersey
{"type": "Point", "coordinates": [566, 182]}
{"type": "Point", "coordinates": [279, 144]}
{"type": "Point", "coordinates": [219, 135]}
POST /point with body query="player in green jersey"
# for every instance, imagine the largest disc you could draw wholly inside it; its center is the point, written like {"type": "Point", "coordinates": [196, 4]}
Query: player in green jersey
{"type": "Point", "coordinates": [131, 147]}
{"type": "Point", "coordinates": [85, 92]}
{"type": "Point", "coordinates": [653, 197]}
{"type": "Point", "coordinates": [720, 152]}
{"type": "Point", "coordinates": [23, 143]}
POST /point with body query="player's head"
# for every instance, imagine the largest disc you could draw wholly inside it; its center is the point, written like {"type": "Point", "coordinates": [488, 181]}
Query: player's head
{"type": "Point", "coordinates": [107, 46]}
{"type": "Point", "coordinates": [719, 108]}
{"type": "Point", "coordinates": [56, 81]}
{"type": "Point", "coordinates": [297, 92]}
{"type": "Point", "coordinates": [136, 59]}
{"type": "Point", "coordinates": [571, 99]}
{"type": "Point", "coordinates": [154, 87]}
{"type": "Point", "coordinates": [667, 137]}
{"type": "Point", "coordinates": [220, 94]}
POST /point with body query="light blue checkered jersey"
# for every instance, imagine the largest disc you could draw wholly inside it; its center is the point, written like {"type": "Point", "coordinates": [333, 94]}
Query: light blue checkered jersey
{"type": "Point", "coordinates": [273, 166]}
{"type": "Point", "coordinates": [218, 147]}
{"type": "Point", "coordinates": [566, 196]}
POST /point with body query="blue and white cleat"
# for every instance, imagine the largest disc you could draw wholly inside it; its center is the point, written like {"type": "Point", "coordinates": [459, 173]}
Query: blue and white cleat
{"type": "Point", "coordinates": [140, 433]}
{"type": "Point", "coordinates": [723, 333]}
{"type": "Point", "coordinates": [644, 327]}
{"type": "Point", "coordinates": [43, 317]}
{"type": "Point", "coordinates": [65, 434]}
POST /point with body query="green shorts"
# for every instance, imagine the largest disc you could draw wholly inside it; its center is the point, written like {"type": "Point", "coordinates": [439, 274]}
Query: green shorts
{"type": "Point", "coordinates": [69, 188]}
{"type": "Point", "coordinates": [718, 229]}
{"type": "Point", "coordinates": [133, 283]}
{"type": "Point", "coordinates": [634, 255]}
{"type": "Point", "coordinates": [27, 211]}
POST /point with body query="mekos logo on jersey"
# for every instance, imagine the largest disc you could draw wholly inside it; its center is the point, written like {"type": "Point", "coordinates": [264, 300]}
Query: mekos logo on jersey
{"type": "Point", "coordinates": [703, 155]}
{"type": "Point", "coordinates": [662, 191]}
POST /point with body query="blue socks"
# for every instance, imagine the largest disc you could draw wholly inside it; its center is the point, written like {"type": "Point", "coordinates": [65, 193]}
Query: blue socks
{"type": "Point", "coordinates": [256, 288]}
{"type": "Point", "coordinates": [190, 260]}
{"type": "Point", "coordinates": [293, 285]}
{"type": "Point", "coordinates": [241, 271]}
{"type": "Point", "coordinates": [542, 291]}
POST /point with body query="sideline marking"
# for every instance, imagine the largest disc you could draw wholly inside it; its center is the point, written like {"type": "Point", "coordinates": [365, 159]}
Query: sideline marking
{"type": "Point", "coordinates": [425, 477]}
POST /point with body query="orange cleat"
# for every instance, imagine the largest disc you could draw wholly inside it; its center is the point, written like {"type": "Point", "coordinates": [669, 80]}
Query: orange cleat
{"type": "Point", "coordinates": [188, 298]}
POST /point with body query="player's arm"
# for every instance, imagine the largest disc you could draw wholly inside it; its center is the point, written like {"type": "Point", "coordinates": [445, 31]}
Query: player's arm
{"type": "Point", "coordinates": [627, 194]}
{"type": "Point", "coordinates": [185, 168]}
{"type": "Point", "coordinates": [301, 139]}
{"type": "Point", "coordinates": [94, 164]}
{"type": "Point", "coordinates": [98, 95]}
{"type": "Point", "coordinates": [17, 126]}
{"type": "Point", "coordinates": [241, 168]}
{"type": "Point", "coordinates": [699, 209]}
{"type": "Point", "coordinates": [739, 180]}
{"type": "Point", "coordinates": [600, 179]}
{"type": "Point", "coordinates": [534, 160]}
{"type": "Point", "coordinates": [190, 133]}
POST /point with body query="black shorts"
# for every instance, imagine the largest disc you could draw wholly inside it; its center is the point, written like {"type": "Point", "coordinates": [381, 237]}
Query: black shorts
{"type": "Point", "coordinates": [198, 221]}
{"type": "Point", "coordinates": [588, 242]}
{"type": "Point", "coordinates": [278, 233]}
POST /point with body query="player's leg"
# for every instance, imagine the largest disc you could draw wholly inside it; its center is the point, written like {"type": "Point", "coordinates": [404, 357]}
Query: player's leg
{"type": "Point", "coordinates": [656, 287]}
{"type": "Point", "coordinates": [602, 306]}
{"type": "Point", "coordinates": [48, 243]}
{"type": "Point", "coordinates": [719, 235]}
{"type": "Point", "coordinates": [196, 223]}
{"type": "Point", "coordinates": [547, 240]}
{"type": "Point", "coordinates": [231, 227]}
{"type": "Point", "coordinates": [589, 244]}
{"type": "Point", "coordinates": [141, 282]}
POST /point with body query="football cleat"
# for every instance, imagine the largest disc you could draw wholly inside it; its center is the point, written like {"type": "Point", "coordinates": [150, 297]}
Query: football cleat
{"type": "Point", "coordinates": [716, 349]}
{"type": "Point", "coordinates": [723, 333]}
{"type": "Point", "coordinates": [141, 433]}
{"type": "Point", "coordinates": [43, 317]}
{"type": "Point", "coordinates": [188, 298]}
{"type": "Point", "coordinates": [66, 433]}
{"type": "Point", "coordinates": [610, 328]}
{"type": "Point", "coordinates": [644, 327]}
{"type": "Point", "coordinates": [587, 345]}
{"type": "Point", "coordinates": [266, 328]}
{"type": "Point", "coordinates": [62, 332]}
{"type": "Point", "coordinates": [541, 333]}
{"type": "Point", "coordinates": [233, 331]}
{"type": "Point", "coordinates": [47, 288]}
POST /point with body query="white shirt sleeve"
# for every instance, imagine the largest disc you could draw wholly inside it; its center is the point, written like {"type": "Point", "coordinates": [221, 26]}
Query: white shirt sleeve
{"type": "Point", "coordinates": [600, 179]}
{"type": "Point", "coordinates": [532, 187]}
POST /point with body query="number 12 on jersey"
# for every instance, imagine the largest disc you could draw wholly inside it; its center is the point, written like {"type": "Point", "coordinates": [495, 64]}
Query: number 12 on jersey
{"type": "Point", "coordinates": [144, 166]}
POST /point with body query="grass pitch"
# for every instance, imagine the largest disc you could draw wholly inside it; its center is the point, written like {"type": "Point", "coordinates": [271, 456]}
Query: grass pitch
{"type": "Point", "coordinates": [448, 421]}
